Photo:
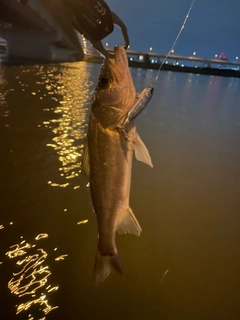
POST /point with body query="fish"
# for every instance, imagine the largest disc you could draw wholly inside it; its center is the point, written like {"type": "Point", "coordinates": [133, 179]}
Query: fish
{"type": "Point", "coordinates": [107, 157]}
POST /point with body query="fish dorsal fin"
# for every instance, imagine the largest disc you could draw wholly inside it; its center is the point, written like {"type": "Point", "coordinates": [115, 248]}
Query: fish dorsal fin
{"type": "Point", "coordinates": [141, 152]}
{"type": "Point", "coordinates": [85, 166]}
{"type": "Point", "coordinates": [129, 224]}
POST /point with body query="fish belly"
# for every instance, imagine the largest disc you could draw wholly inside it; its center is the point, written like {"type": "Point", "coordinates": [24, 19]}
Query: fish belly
{"type": "Point", "coordinates": [110, 156]}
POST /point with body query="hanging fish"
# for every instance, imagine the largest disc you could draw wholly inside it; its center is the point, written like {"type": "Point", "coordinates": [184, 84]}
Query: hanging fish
{"type": "Point", "coordinates": [107, 157]}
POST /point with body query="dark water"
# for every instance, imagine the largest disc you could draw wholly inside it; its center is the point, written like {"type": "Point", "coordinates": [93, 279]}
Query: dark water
{"type": "Point", "coordinates": [185, 265]}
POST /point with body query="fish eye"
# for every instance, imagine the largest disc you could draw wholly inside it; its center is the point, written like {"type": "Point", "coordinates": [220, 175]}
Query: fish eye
{"type": "Point", "coordinates": [103, 81]}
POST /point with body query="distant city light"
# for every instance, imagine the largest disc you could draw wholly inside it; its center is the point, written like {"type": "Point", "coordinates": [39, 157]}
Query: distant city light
{"type": "Point", "coordinates": [194, 53]}
{"type": "Point", "coordinates": [223, 56]}
{"type": "Point", "coordinates": [150, 48]}
{"type": "Point", "coordinates": [182, 65]}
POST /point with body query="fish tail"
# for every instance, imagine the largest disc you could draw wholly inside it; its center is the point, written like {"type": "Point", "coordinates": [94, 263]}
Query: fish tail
{"type": "Point", "coordinates": [104, 264]}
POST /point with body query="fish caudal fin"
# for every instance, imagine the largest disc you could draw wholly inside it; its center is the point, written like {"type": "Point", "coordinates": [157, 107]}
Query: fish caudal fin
{"type": "Point", "coordinates": [104, 264]}
{"type": "Point", "coordinates": [129, 224]}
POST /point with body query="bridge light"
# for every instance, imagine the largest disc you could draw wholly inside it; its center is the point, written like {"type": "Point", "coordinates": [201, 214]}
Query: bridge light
{"type": "Point", "coordinates": [106, 44]}
{"type": "Point", "coordinates": [216, 55]}
{"type": "Point", "coordinates": [194, 53]}
{"type": "Point", "coordinates": [150, 48]}
{"type": "Point", "coordinates": [172, 51]}
{"type": "Point", "coordinates": [236, 57]}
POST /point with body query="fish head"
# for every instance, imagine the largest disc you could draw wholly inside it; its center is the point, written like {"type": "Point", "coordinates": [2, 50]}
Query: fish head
{"type": "Point", "coordinates": [115, 92]}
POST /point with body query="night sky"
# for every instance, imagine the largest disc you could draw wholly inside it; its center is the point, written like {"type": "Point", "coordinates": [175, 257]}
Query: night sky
{"type": "Point", "coordinates": [213, 26]}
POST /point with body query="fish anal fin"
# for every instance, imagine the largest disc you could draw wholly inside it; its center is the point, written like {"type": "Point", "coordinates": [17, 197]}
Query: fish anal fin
{"type": "Point", "coordinates": [141, 152]}
{"type": "Point", "coordinates": [129, 224]}
{"type": "Point", "coordinates": [85, 166]}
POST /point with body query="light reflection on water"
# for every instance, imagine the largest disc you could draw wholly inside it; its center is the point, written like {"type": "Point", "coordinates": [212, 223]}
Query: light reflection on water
{"type": "Point", "coordinates": [31, 278]}
{"type": "Point", "coordinates": [186, 263]}
{"type": "Point", "coordinates": [62, 257]}
{"type": "Point", "coordinates": [82, 222]}
{"type": "Point", "coordinates": [69, 127]}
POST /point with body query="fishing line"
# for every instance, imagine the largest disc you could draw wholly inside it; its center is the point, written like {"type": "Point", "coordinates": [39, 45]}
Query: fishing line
{"type": "Point", "coordinates": [175, 41]}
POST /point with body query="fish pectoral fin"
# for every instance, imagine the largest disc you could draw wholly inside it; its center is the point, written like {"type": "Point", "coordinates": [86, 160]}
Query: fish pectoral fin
{"type": "Point", "coordinates": [129, 224]}
{"type": "Point", "coordinates": [104, 264]}
{"type": "Point", "coordinates": [141, 152]}
{"type": "Point", "coordinates": [85, 166]}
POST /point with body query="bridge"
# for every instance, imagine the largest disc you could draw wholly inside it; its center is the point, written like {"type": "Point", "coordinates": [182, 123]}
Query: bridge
{"type": "Point", "coordinates": [39, 30]}
{"type": "Point", "coordinates": [42, 30]}
{"type": "Point", "coordinates": [192, 64]}
{"type": "Point", "coordinates": [155, 59]}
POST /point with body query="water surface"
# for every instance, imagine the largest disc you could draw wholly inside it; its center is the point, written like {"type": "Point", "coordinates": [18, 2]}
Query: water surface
{"type": "Point", "coordinates": [185, 264]}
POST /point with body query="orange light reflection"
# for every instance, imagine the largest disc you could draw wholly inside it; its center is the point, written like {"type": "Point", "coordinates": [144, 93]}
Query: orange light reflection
{"type": "Point", "coordinates": [69, 124]}
{"type": "Point", "coordinates": [32, 279]}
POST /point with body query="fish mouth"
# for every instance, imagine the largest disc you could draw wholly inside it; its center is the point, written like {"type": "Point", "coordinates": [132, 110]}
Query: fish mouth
{"type": "Point", "coordinates": [119, 56]}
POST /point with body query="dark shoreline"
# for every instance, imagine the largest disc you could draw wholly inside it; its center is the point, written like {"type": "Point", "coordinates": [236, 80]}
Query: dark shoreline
{"type": "Point", "coordinates": [134, 64]}
{"type": "Point", "coordinates": [170, 67]}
